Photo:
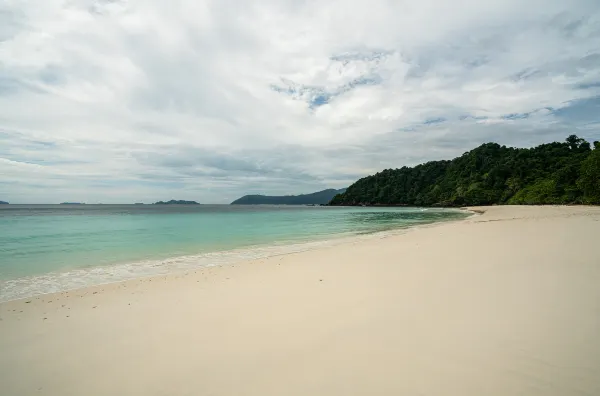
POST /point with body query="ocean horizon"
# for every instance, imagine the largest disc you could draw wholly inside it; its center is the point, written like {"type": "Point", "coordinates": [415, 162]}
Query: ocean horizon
{"type": "Point", "coordinates": [52, 248]}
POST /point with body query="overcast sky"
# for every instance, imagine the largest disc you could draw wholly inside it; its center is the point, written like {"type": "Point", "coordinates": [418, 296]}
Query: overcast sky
{"type": "Point", "coordinates": [118, 101]}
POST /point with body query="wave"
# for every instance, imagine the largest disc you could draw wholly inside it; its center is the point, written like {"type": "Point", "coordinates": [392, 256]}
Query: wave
{"type": "Point", "coordinates": [34, 285]}
{"type": "Point", "coordinates": [30, 286]}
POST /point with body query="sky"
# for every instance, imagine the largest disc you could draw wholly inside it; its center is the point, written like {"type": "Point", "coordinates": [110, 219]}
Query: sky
{"type": "Point", "coordinates": [121, 101]}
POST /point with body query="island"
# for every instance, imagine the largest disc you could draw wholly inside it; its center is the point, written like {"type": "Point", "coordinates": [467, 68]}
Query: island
{"type": "Point", "coordinates": [72, 203]}
{"type": "Point", "coordinates": [317, 198]}
{"type": "Point", "coordinates": [3, 203]}
{"type": "Point", "coordinates": [176, 202]}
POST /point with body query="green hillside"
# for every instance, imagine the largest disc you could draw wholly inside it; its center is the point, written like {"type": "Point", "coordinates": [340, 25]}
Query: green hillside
{"type": "Point", "coordinates": [317, 198]}
{"type": "Point", "coordinates": [553, 173]}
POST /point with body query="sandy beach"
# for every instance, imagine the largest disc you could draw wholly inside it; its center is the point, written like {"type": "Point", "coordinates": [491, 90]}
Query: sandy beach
{"type": "Point", "coordinates": [504, 303]}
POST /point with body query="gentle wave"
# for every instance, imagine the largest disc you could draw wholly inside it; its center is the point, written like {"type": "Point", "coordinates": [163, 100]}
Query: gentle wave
{"type": "Point", "coordinates": [31, 286]}
{"type": "Point", "coordinates": [380, 224]}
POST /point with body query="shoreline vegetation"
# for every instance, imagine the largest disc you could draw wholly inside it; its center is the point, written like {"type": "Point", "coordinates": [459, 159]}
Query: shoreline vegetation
{"type": "Point", "coordinates": [554, 173]}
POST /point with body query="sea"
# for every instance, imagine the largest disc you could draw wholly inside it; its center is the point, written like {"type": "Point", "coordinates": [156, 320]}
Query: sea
{"type": "Point", "coordinates": [52, 248]}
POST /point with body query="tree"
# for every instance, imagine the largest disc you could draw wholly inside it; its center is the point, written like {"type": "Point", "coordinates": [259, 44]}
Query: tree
{"type": "Point", "coordinates": [573, 141]}
{"type": "Point", "coordinates": [584, 146]}
{"type": "Point", "coordinates": [589, 181]}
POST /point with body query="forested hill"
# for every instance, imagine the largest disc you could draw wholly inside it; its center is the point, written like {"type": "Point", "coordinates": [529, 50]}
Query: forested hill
{"type": "Point", "coordinates": [176, 202]}
{"type": "Point", "coordinates": [321, 197]}
{"type": "Point", "coordinates": [554, 173]}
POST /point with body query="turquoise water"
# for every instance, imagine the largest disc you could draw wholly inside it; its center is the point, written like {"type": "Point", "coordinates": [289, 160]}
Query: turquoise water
{"type": "Point", "coordinates": [46, 248]}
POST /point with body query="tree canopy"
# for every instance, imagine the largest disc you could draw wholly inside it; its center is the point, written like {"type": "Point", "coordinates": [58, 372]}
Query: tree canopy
{"type": "Point", "coordinates": [552, 173]}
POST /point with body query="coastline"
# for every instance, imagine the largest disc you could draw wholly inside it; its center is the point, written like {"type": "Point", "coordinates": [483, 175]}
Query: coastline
{"type": "Point", "coordinates": [102, 275]}
{"type": "Point", "coordinates": [500, 303]}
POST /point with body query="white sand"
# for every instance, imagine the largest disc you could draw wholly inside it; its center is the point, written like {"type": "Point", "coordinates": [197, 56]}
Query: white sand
{"type": "Point", "coordinates": [507, 303]}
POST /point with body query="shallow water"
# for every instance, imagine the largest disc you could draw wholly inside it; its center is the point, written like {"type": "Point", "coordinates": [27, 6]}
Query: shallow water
{"type": "Point", "coordinates": [48, 248]}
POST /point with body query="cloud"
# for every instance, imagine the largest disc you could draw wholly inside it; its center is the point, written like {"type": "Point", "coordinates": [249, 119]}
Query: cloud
{"type": "Point", "coordinates": [122, 101]}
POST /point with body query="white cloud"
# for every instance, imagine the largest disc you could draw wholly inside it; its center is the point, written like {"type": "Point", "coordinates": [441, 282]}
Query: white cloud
{"type": "Point", "coordinates": [122, 101]}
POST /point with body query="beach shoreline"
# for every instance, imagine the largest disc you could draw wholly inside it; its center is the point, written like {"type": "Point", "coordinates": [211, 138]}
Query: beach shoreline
{"type": "Point", "coordinates": [102, 275]}
{"type": "Point", "coordinates": [501, 303]}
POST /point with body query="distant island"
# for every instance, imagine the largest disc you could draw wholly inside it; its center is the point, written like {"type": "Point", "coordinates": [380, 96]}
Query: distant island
{"type": "Point", "coordinates": [176, 202]}
{"type": "Point", "coordinates": [317, 198]}
{"type": "Point", "coordinates": [3, 203]}
{"type": "Point", "coordinates": [72, 203]}
{"type": "Point", "coordinates": [554, 173]}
